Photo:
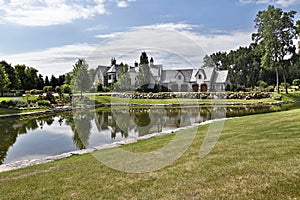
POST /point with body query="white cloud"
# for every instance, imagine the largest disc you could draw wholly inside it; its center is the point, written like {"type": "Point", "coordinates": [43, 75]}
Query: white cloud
{"type": "Point", "coordinates": [122, 4]}
{"type": "Point", "coordinates": [283, 3]}
{"type": "Point", "coordinates": [56, 60]}
{"type": "Point", "coordinates": [111, 35]}
{"type": "Point", "coordinates": [165, 42]}
{"type": "Point", "coordinates": [168, 26]}
{"type": "Point", "coordinates": [49, 12]}
{"type": "Point", "coordinates": [172, 48]}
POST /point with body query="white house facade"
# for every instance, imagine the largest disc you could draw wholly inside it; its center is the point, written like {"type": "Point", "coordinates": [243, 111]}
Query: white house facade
{"type": "Point", "coordinates": [204, 79]}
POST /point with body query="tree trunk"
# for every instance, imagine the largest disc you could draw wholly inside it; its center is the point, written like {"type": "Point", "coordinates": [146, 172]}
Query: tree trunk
{"type": "Point", "coordinates": [285, 85]}
{"type": "Point", "coordinates": [277, 80]}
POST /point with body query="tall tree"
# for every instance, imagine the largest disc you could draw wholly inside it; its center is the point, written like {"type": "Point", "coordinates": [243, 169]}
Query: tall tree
{"type": "Point", "coordinates": [41, 82]}
{"type": "Point", "coordinates": [47, 82]}
{"type": "Point", "coordinates": [61, 80]}
{"type": "Point", "coordinates": [12, 76]}
{"type": "Point", "coordinates": [31, 78]}
{"type": "Point", "coordinates": [275, 33]}
{"type": "Point", "coordinates": [20, 69]}
{"type": "Point", "coordinates": [81, 80]}
{"type": "Point", "coordinates": [4, 81]}
{"type": "Point", "coordinates": [143, 75]}
{"type": "Point", "coordinates": [53, 81]}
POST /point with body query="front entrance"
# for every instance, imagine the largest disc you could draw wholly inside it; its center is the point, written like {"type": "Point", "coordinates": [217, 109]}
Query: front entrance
{"type": "Point", "coordinates": [204, 88]}
{"type": "Point", "coordinates": [195, 87]}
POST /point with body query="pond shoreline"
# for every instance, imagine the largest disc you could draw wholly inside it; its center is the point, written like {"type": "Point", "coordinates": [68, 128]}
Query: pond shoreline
{"type": "Point", "coordinates": [68, 109]}
{"type": "Point", "coordinates": [27, 163]}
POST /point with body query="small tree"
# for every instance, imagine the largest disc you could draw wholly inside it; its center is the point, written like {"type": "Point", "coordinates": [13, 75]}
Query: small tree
{"type": "Point", "coordinates": [81, 80]}
{"type": "Point", "coordinates": [124, 81]}
{"type": "Point", "coordinates": [4, 81]}
{"type": "Point", "coordinates": [143, 76]}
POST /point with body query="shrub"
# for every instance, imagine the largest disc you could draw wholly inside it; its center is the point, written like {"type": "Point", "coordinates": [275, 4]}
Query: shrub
{"type": "Point", "coordinates": [20, 104]}
{"type": "Point", "coordinates": [262, 84]}
{"type": "Point", "coordinates": [270, 88]}
{"type": "Point", "coordinates": [35, 92]}
{"type": "Point", "coordinates": [58, 89]}
{"type": "Point", "coordinates": [296, 82]}
{"type": "Point", "coordinates": [49, 96]}
{"type": "Point", "coordinates": [66, 88]}
{"type": "Point", "coordinates": [99, 87]}
{"type": "Point", "coordinates": [44, 103]}
{"type": "Point", "coordinates": [48, 89]}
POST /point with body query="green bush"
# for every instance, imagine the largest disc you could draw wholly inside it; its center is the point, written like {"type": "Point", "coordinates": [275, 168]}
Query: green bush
{"type": "Point", "coordinates": [66, 88]}
{"type": "Point", "coordinates": [58, 89]}
{"type": "Point", "coordinates": [296, 82]}
{"type": "Point", "coordinates": [270, 88]}
{"type": "Point", "coordinates": [48, 89]}
{"type": "Point", "coordinates": [262, 84]}
{"type": "Point", "coordinates": [13, 103]}
{"type": "Point", "coordinates": [44, 103]}
{"type": "Point", "coordinates": [35, 92]}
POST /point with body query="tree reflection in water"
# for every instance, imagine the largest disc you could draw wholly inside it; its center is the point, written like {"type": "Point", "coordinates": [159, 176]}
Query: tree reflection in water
{"type": "Point", "coordinates": [119, 123]}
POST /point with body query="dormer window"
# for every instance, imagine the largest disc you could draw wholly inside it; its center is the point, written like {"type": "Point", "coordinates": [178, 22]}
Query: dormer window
{"type": "Point", "coordinates": [199, 76]}
{"type": "Point", "coordinates": [179, 77]}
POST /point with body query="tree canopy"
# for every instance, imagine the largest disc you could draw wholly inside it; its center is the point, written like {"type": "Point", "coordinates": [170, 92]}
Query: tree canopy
{"type": "Point", "coordinates": [275, 34]}
{"type": "Point", "coordinates": [81, 80]}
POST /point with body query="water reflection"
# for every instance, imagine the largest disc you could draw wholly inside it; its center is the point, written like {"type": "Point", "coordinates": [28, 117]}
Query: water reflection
{"type": "Point", "coordinates": [34, 137]}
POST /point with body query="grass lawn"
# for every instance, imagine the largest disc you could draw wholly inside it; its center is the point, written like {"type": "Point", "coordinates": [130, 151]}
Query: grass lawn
{"type": "Point", "coordinates": [256, 157]}
{"type": "Point", "coordinates": [109, 99]}
{"type": "Point", "coordinates": [5, 98]}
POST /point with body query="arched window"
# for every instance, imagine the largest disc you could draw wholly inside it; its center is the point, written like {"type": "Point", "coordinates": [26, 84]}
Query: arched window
{"type": "Point", "coordinates": [199, 76]}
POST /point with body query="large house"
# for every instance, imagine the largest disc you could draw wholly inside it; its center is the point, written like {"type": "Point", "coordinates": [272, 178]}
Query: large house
{"type": "Point", "coordinates": [204, 79]}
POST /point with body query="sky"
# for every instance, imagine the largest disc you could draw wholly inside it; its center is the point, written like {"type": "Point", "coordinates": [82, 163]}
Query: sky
{"type": "Point", "coordinates": [51, 35]}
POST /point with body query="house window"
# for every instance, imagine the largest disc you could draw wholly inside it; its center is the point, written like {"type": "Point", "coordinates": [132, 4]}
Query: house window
{"type": "Point", "coordinates": [109, 77]}
{"type": "Point", "coordinates": [199, 76]}
{"type": "Point", "coordinates": [179, 77]}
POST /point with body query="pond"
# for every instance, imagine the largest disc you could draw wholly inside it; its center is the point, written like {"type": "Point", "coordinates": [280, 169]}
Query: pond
{"type": "Point", "coordinates": [47, 135]}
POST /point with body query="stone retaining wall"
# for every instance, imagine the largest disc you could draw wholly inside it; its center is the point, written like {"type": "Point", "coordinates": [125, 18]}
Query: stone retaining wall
{"type": "Point", "coordinates": [246, 96]}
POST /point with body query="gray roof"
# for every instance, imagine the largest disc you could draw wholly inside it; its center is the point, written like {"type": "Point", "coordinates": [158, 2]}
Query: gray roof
{"type": "Point", "coordinates": [220, 76]}
{"type": "Point", "coordinates": [187, 73]}
{"type": "Point", "coordinates": [208, 72]}
{"type": "Point", "coordinates": [194, 73]}
{"type": "Point", "coordinates": [168, 75]}
{"type": "Point", "coordinates": [115, 69]}
{"type": "Point", "coordinates": [102, 69]}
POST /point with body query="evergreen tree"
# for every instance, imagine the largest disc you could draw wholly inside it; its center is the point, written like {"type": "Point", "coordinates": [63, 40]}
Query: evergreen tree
{"type": "Point", "coordinates": [47, 82]}
{"type": "Point", "coordinates": [53, 81]}
{"type": "Point", "coordinates": [41, 83]}
{"type": "Point", "coordinates": [143, 76]}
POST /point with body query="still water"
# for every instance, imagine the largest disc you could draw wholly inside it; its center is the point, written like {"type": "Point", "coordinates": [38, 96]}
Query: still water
{"type": "Point", "coordinates": [36, 137]}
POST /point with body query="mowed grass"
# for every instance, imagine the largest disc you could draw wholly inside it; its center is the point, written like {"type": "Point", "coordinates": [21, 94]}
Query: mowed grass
{"type": "Point", "coordinates": [256, 157]}
{"type": "Point", "coordinates": [117, 100]}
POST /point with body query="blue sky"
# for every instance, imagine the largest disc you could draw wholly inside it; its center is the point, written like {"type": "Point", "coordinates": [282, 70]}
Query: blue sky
{"type": "Point", "coordinates": [51, 35]}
